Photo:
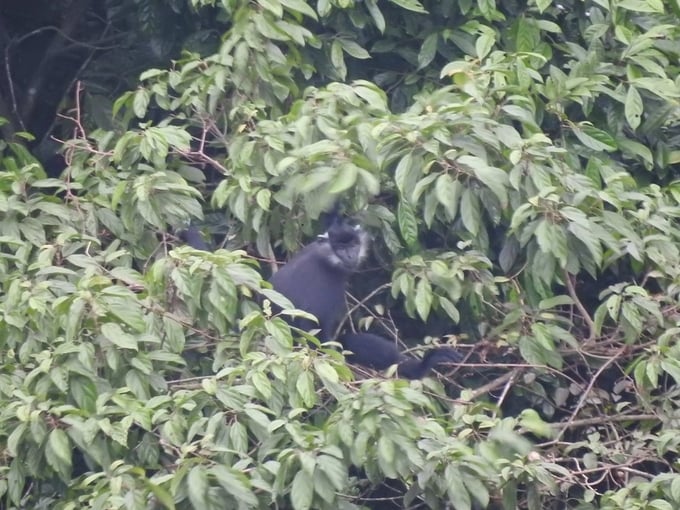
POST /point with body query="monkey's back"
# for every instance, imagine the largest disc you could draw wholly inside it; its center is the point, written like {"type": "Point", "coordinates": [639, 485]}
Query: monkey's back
{"type": "Point", "coordinates": [312, 285]}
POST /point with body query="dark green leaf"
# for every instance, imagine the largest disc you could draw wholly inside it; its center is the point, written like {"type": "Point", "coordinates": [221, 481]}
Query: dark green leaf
{"type": "Point", "coordinates": [428, 50]}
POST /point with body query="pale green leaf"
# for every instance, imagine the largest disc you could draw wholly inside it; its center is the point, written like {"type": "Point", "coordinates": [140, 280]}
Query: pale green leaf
{"type": "Point", "coordinates": [115, 334]}
{"type": "Point", "coordinates": [302, 491]}
{"type": "Point", "coordinates": [448, 192]}
{"type": "Point", "coordinates": [633, 107]}
{"type": "Point", "coordinates": [485, 43]}
{"type": "Point", "coordinates": [470, 211]}
{"type": "Point", "coordinates": [374, 11]}
{"type": "Point", "coordinates": [197, 484]}
{"type": "Point", "coordinates": [235, 483]}
{"type": "Point", "coordinates": [300, 6]}
{"type": "Point", "coordinates": [423, 299]}
{"type": "Point", "coordinates": [410, 5]}
{"type": "Point", "coordinates": [594, 138]}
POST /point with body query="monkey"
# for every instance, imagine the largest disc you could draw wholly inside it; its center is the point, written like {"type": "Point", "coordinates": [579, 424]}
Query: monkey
{"type": "Point", "coordinates": [315, 281]}
{"type": "Point", "coordinates": [316, 277]}
{"type": "Point", "coordinates": [192, 236]}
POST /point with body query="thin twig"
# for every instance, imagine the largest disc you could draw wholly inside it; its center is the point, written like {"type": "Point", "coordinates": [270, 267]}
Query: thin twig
{"type": "Point", "coordinates": [492, 385]}
{"type": "Point", "coordinates": [586, 393]}
{"type": "Point", "coordinates": [359, 304]}
{"type": "Point", "coordinates": [602, 420]}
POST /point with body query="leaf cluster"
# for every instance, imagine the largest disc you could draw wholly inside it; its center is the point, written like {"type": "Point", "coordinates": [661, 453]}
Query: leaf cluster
{"type": "Point", "coordinates": [514, 164]}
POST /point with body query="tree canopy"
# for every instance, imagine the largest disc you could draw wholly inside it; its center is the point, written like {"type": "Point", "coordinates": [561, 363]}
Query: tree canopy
{"type": "Point", "coordinates": [515, 164]}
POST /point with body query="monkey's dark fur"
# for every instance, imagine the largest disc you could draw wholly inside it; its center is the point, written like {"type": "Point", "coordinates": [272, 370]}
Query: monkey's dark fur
{"type": "Point", "coordinates": [315, 281]}
{"type": "Point", "coordinates": [379, 353]}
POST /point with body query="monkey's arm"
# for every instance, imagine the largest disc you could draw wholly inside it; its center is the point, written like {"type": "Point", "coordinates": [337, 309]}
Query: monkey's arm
{"type": "Point", "coordinates": [376, 352]}
{"type": "Point", "coordinates": [414, 368]}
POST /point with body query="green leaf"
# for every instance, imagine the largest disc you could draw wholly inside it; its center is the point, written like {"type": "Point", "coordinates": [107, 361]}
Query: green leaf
{"type": "Point", "coordinates": [273, 6]}
{"type": "Point", "coordinates": [448, 192]}
{"type": "Point", "coordinates": [551, 239]}
{"type": "Point", "coordinates": [353, 49]}
{"type": "Point", "coordinates": [262, 384]}
{"type": "Point", "coordinates": [510, 495]}
{"type": "Point", "coordinates": [324, 7]}
{"type": "Point", "coordinates": [459, 496]}
{"type": "Point", "coordinates": [477, 489]}
{"type": "Point", "coordinates": [485, 43]}
{"type": "Point", "coordinates": [300, 6]}
{"type": "Point", "coordinates": [374, 11]}
{"type": "Point", "coordinates": [410, 5]}
{"type": "Point", "coordinates": [258, 417]}
{"type": "Point", "coordinates": [652, 6]}
{"type": "Point", "coordinates": [588, 237]}
{"type": "Point", "coordinates": [344, 179]}
{"type": "Point", "coordinates": [534, 497]}
{"type": "Point", "coordinates": [386, 453]}
{"type": "Point", "coordinates": [14, 439]}
{"type": "Point", "coordinates": [115, 334]}
{"type": "Point", "coordinates": [326, 371]}
{"type": "Point", "coordinates": [337, 59]}
{"type": "Point", "coordinates": [302, 491]}
{"type": "Point", "coordinates": [675, 488]}
{"type": "Point", "coordinates": [470, 212]}
{"type": "Point", "coordinates": [305, 388]}
{"type": "Point", "coordinates": [543, 5]}
{"type": "Point", "coordinates": [140, 102]}
{"type": "Point", "coordinates": [408, 225]}
{"type": "Point", "coordinates": [405, 171]}
{"type": "Point", "coordinates": [334, 470]}
{"type": "Point", "coordinates": [428, 50]}
{"type": "Point", "coordinates": [672, 368]}
{"type": "Point", "coordinates": [58, 452]}
{"type": "Point", "coordinates": [423, 299]}
{"type": "Point", "coordinates": [197, 485]}
{"type": "Point", "coordinates": [450, 309]}
{"type": "Point", "coordinates": [633, 107]}
{"type": "Point", "coordinates": [555, 301]}
{"type": "Point", "coordinates": [235, 483]}
{"type": "Point", "coordinates": [660, 504]}
{"type": "Point", "coordinates": [636, 149]}
{"type": "Point", "coordinates": [494, 178]}
{"type": "Point", "coordinates": [594, 138]}
{"type": "Point", "coordinates": [530, 420]}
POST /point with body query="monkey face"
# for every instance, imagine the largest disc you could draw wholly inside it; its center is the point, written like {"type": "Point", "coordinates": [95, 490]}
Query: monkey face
{"type": "Point", "coordinates": [347, 246]}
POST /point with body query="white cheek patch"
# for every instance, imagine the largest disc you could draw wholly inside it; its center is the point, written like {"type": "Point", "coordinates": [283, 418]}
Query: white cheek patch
{"type": "Point", "coordinates": [363, 246]}
{"type": "Point", "coordinates": [347, 258]}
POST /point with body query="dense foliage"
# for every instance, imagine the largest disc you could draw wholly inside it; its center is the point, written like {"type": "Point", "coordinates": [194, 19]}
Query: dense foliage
{"type": "Point", "coordinates": [515, 165]}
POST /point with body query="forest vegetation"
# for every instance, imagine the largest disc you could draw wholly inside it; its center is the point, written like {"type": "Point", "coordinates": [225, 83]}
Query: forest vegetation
{"type": "Point", "coordinates": [516, 164]}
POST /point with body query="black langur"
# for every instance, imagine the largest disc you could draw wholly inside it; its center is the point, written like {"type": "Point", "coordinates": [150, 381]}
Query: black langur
{"type": "Point", "coordinates": [192, 236]}
{"type": "Point", "coordinates": [315, 278]}
{"type": "Point", "coordinates": [315, 281]}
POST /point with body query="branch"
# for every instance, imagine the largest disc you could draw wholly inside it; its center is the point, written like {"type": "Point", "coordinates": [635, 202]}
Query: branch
{"type": "Point", "coordinates": [583, 398]}
{"type": "Point", "coordinates": [361, 304]}
{"type": "Point", "coordinates": [602, 420]}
